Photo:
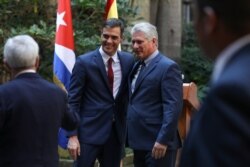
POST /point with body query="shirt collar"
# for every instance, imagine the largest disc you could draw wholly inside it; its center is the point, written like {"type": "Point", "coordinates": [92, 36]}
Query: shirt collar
{"type": "Point", "coordinates": [149, 59]}
{"type": "Point", "coordinates": [227, 54]}
{"type": "Point", "coordinates": [26, 71]}
{"type": "Point", "coordinates": [106, 57]}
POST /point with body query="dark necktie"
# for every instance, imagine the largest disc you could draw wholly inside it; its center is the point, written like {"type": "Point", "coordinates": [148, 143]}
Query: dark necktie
{"type": "Point", "coordinates": [141, 68]}
{"type": "Point", "coordinates": [110, 74]}
{"type": "Point", "coordinates": [142, 63]}
{"type": "Point", "coordinates": [136, 73]}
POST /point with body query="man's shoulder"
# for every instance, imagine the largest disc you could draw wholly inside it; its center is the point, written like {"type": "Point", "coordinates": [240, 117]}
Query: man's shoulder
{"type": "Point", "coordinates": [5, 86]}
{"type": "Point", "coordinates": [89, 54]}
{"type": "Point", "coordinates": [126, 56]}
{"type": "Point", "coordinates": [165, 59]}
{"type": "Point", "coordinates": [87, 57]}
{"type": "Point", "coordinates": [10, 85]}
{"type": "Point", "coordinates": [52, 86]}
{"type": "Point", "coordinates": [125, 53]}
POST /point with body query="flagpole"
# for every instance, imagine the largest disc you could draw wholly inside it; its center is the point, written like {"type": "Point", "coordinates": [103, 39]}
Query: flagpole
{"type": "Point", "coordinates": [64, 56]}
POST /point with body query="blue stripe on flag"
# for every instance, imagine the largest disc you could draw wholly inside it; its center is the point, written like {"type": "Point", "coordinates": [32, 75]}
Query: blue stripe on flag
{"type": "Point", "coordinates": [61, 71]}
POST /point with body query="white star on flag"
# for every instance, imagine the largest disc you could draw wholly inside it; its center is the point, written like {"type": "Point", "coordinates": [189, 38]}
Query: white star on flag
{"type": "Point", "coordinates": [59, 20]}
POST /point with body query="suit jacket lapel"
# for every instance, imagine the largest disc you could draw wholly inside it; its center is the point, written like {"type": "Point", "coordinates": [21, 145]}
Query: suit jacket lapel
{"type": "Point", "coordinates": [100, 64]}
{"type": "Point", "coordinates": [124, 71]}
{"type": "Point", "coordinates": [131, 76]}
{"type": "Point", "coordinates": [146, 71]}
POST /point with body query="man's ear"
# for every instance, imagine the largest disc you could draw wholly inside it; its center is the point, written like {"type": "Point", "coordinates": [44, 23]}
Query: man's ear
{"type": "Point", "coordinates": [155, 41]}
{"type": "Point", "coordinates": [7, 66]}
{"type": "Point", "coordinates": [210, 20]}
{"type": "Point", "coordinates": [37, 63]}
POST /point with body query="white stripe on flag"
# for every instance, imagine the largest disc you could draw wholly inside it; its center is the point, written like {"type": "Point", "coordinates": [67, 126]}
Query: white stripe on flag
{"type": "Point", "coordinates": [66, 55]}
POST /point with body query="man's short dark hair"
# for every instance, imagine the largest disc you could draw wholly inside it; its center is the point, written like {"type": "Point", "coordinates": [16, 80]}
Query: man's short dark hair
{"type": "Point", "coordinates": [114, 22]}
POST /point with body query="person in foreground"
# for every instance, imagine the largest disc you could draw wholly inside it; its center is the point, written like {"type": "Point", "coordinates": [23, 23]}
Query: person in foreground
{"type": "Point", "coordinates": [155, 102]}
{"type": "Point", "coordinates": [31, 110]}
{"type": "Point", "coordinates": [99, 92]}
{"type": "Point", "coordinates": [220, 134]}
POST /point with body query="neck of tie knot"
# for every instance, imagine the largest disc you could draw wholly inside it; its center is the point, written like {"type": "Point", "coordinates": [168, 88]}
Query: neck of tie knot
{"type": "Point", "coordinates": [137, 73]}
{"type": "Point", "coordinates": [141, 62]}
{"type": "Point", "coordinates": [110, 60]}
{"type": "Point", "coordinates": [142, 65]}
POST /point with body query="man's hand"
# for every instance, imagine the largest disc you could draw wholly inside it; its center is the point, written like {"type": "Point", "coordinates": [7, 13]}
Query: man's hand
{"type": "Point", "coordinates": [159, 150]}
{"type": "Point", "coordinates": [74, 147]}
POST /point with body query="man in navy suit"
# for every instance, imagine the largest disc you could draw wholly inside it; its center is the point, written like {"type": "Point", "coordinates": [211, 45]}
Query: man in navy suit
{"type": "Point", "coordinates": [220, 131]}
{"type": "Point", "coordinates": [99, 92]}
{"type": "Point", "coordinates": [155, 102]}
{"type": "Point", "coordinates": [31, 110]}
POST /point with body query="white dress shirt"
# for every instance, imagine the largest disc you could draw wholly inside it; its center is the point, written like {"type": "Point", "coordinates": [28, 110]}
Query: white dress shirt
{"type": "Point", "coordinates": [116, 70]}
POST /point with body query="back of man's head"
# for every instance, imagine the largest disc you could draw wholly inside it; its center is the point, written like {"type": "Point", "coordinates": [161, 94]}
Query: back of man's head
{"type": "Point", "coordinates": [234, 13]}
{"type": "Point", "coordinates": [21, 51]}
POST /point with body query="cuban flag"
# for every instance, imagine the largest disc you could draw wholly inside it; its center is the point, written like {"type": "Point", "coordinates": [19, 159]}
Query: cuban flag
{"type": "Point", "coordinates": [64, 56]}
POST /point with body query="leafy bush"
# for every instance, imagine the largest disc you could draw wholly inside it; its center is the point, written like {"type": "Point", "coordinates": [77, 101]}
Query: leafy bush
{"type": "Point", "coordinates": [196, 67]}
{"type": "Point", "coordinates": [38, 19]}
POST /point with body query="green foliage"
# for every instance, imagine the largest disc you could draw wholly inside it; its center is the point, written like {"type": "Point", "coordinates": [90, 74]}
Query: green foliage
{"type": "Point", "coordinates": [27, 17]}
{"type": "Point", "coordinates": [42, 34]}
{"type": "Point", "coordinates": [22, 12]}
{"type": "Point", "coordinates": [88, 18]}
{"type": "Point", "coordinates": [196, 67]}
{"type": "Point", "coordinates": [38, 19]}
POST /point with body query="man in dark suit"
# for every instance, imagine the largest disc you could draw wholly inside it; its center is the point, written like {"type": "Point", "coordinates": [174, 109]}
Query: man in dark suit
{"type": "Point", "coordinates": [220, 131]}
{"type": "Point", "coordinates": [98, 91]}
{"type": "Point", "coordinates": [155, 102]}
{"type": "Point", "coordinates": [31, 110]}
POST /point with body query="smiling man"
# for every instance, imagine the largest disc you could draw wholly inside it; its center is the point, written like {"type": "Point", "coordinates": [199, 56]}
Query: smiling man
{"type": "Point", "coordinates": [155, 102]}
{"type": "Point", "coordinates": [98, 91]}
